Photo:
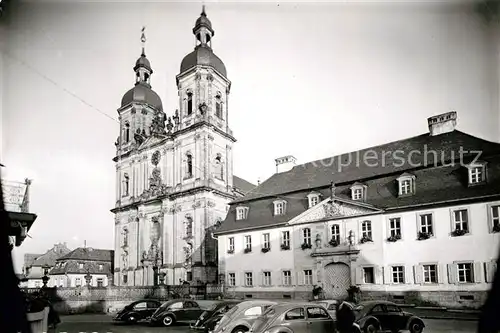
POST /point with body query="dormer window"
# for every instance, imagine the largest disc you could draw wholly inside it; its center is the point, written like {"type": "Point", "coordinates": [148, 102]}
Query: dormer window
{"type": "Point", "coordinates": [313, 199]}
{"type": "Point", "coordinates": [477, 173]}
{"type": "Point", "coordinates": [358, 192]}
{"type": "Point", "coordinates": [241, 213]}
{"type": "Point", "coordinates": [279, 207]}
{"type": "Point", "coordinates": [406, 184]}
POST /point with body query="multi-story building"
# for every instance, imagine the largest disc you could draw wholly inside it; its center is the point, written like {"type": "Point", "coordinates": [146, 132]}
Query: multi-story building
{"type": "Point", "coordinates": [80, 265]}
{"type": "Point", "coordinates": [36, 266]}
{"type": "Point", "coordinates": [414, 220]}
{"type": "Point", "coordinates": [173, 181]}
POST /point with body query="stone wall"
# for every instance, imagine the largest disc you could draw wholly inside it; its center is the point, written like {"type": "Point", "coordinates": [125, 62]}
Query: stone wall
{"type": "Point", "coordinates": [112, 299]}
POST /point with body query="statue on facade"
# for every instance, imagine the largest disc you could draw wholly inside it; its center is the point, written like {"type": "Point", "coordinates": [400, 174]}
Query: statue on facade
{"type": "Point", "coordinates": [158, 124]}
{"type": "Point", "coordinates": [318, 241]}
{"type": "Point", "coordinates": [170, 126]}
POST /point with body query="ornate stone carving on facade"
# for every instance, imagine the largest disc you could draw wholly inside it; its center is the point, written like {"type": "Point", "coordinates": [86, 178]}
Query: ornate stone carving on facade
{"type": "Point", "coordinates": [210, 137]}
{"type": "Point", "coordinates": [210, 203]}
{"type": "Point", "coordinates": [144, 157]}
{"type": "Point", "coordinates": [155, 158]}
{"type": "Point", "coordinates": [203, 108]}
{"type": "Point", "coordinates": [144, 111]}
{"type": "Point", "coordinates": [210, 77]}
{"type": "Point", "coordinates": [227, 90]}
{"type": "Point", "coordinates": [197, 204]}
{"type": "Point", "coordinates": [141, 215]}
{"type": "Point", "coordinates": [117, 220]}
{"type": "Point", "coordinates": [176, 118]}
{"type": "Point", "coordinates": [317, 241]}
{"type": "Point", "coordinates": [155, 229]}
{"type": "Point", "coordinates": [158, 124]}
{"type": "Point", "coordinates": [131, 218]}
{"type": "Point", "coordinates": [228, 147]}
{"type": "Point", "coordinates": [197, 76]}
{"type": "Point", "coordinates": [197, 136]}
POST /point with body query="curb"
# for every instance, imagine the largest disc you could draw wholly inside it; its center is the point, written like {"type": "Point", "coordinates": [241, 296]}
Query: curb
{"type": "Point", "coordinates": [449, 318]}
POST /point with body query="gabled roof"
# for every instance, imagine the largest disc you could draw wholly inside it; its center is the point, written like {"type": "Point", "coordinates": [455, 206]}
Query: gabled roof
{"type": "Point", "coordinates": [73, 267]}
{"type": "Point", "coordinates": [49, 258]}
{"type": "Point", "coordinates": [435, 184]}
{"type": "Point", "coordinates": [88, 254]}
{"type": "Point", "coordinates": [338, 169]}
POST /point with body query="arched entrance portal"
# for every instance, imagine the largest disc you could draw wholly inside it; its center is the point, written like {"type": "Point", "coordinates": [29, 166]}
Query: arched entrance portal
{"type": "Point", "coordinates": [337, 280]}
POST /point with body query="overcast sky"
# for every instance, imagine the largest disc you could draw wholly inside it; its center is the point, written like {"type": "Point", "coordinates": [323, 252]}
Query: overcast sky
{"type": "Point", "coordinates": [311, 80]}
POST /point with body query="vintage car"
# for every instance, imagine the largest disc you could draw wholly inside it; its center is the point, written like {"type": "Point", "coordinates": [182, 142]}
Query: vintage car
{"type": "Point", "coordinates": [242, 316]}
{"type": "Point", "coordinates": [374, 316]}
{"type": "Point", "coordinates": [177, 311]}
{"type": "Point", "coordinates": [137, 311]}
{"type": "Point", "coordinates": [294, 318]}
{"type": "Point", "coordinates": [330, 305]}
{"type": "Point", "coordinates": [209, 319]}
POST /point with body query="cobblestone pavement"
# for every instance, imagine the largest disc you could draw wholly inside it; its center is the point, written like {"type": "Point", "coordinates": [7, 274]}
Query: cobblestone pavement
{"type": "Point", "coordinates": [103, 324]}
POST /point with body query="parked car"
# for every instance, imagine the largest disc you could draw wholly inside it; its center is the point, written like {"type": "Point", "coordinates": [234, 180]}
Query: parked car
{"type": "Point", "coordinates": [176, 311]}
{"type": "Point", "coordinates": [137, 311]}
{"type": "Point", "coordinates": [295, 318]}
{"type": "Point", "coordinates": [330, 306]}
{"type": "Point", "coordinates": [374, 316]}
{"type": "Point", "coordinates": [242, 316]}
{"type": "Point", "coordinates": [209, 319]}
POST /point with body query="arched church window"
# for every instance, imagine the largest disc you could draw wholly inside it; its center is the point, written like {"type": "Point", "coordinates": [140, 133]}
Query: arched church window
{"type": "Point", "coordinates": [218, 107]}
{"type": "Point", "coordinates": [127, 132]}
{"type": "Point", "coordinates": [125, 184]}
{"type": "Point", "coordinates": [189, 165]}
{"type": "Point", "coordinates": [219, 167]}
{"type": "Point", "coordinates": [125, 237]}
{"type": "Point", "coordinates": [189, 103]}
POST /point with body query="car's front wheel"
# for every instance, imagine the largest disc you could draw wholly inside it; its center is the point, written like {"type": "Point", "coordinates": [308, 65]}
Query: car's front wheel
{"type": "Point", "coordinates": [168, 320]}
{"type": "Point", "coordinates": [371, 327]}
{"type": "Point", "coordinates": [240, 330]}
{"type": "Point", "coordinates": [416, 326]}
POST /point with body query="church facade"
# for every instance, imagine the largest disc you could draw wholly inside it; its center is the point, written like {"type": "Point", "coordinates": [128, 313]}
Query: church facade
{"type": "Point", "coordinates": [174, 175]}
{"type": "Point", "coordinates": [413, 221]}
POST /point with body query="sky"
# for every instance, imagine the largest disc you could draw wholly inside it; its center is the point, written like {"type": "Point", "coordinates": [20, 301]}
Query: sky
{"type": "Point", "coordinates": [308, 79]}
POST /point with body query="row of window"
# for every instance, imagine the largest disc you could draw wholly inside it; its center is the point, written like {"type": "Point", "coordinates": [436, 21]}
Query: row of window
{"type": "Point", "coordinates": [219, 113]}
{"type": "Point", "coordinates": [218, 172]}
{"type": "Point", "coordinates": [459, 272]}
{"type": "Point", "coordinates": [406, 186]}
{"type": "Point", "coordinates": [425, 229]}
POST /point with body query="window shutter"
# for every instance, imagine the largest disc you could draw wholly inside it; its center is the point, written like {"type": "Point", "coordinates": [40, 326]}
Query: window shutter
{"type": "Point", "coordinates": [359, 275]}
{"type": "Point", "coordinates": [452, 274]}
{"type": "Point", "coordinates": [418, 274]}
{"type": "Point", "coordinates": [315, 276]}
{"type": "Point", "coordinates": [261, 279]}
{"type": "Point", "coordinates": [490, 271]}
{"type": "Point", "coordinates": [408, 274]}
{"type": "Point", "coordinates": [242, 278]}
{"type": "Point", "coordinates": [478, 272]}
{"type": "Point", "coordinates": [379, 278]}
{"type": "Point", "coordinates": [293, 277]}
{"type": "Point", "coordinates": [442, 273]}
{"type": "Point", "coordinates": [387, 275]}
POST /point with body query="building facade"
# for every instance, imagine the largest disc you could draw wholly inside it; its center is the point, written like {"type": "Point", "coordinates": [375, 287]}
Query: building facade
{"type": "Point", "coordinates": [81, 267]}
{"type": "Point", "coordinates": [36, 266]}
{"type": "Point", "coordinates": [174, 180]}
{"type": "Point", "coordinates": [416, 220]}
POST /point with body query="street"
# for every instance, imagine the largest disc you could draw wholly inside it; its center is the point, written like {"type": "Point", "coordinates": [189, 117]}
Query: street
{"type": "Point", "coordinates": [103, 324]}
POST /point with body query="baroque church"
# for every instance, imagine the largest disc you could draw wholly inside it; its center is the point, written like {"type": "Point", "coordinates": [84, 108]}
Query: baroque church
{"type": "Point", "coordinates": [174, 174]}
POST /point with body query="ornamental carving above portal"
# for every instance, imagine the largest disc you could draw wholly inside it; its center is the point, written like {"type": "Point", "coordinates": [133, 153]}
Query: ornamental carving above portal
{"type": "Point", "coordinates": [155, 158]}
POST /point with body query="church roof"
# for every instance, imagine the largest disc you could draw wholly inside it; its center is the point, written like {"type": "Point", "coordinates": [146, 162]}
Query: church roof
{"type": "Point", "coordinates": [242, 185]}
{"type": "Point", "coordinates": [203, 55]}
{"type": "Point", "coordinates": [380, 179]}
{"type": "Point", "coordinates": [142, 93]}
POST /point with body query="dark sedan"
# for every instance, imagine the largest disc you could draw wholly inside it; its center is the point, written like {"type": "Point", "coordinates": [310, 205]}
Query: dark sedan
{"type": "Point", "coordinates": [177, 311]}
{"type": "Point", "coordinates": [374, 316]}
{"type": "Point", "coordinates": [137, 311]}
{"type": "Point", "coordinates": [213, 315]}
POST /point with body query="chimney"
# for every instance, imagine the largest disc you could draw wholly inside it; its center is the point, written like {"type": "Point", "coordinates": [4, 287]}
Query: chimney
{"type": "Point", "coordinates": [285, 163]}
{"type": "Point", "coordinates": [258, 182]}
{"type": "Point", "coordinates": [443, 123]}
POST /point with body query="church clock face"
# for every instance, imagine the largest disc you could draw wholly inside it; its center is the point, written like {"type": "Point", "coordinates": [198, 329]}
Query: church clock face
{"type": "Point", "coordinates": [155, 159]}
